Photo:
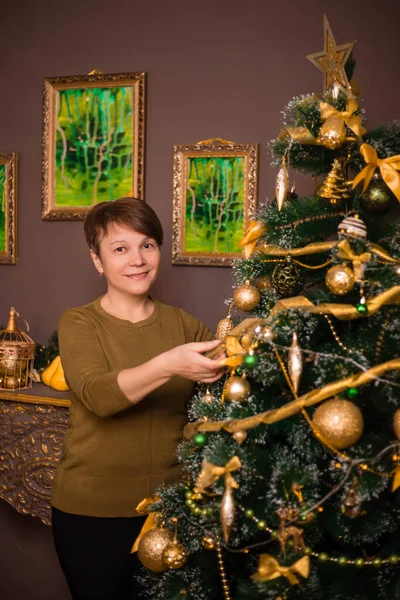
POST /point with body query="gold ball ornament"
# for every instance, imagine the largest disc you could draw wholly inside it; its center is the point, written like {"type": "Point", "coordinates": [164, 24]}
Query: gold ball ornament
{"type": "Point", "coordinates": [396, 423]}
{"type": "Point", "coordinates": [240, 436]}
{"type": "Point", "coordinates": [236, 389]}
{"type": "Point", "coordinates": [286, 279]}
{"type": "Point", "coordinates": [339, 422]}
{"type": "Point", "coordinates": [208, 542]}
{"type": "Point", "coordinates": [246, 297]}
{"type": "Point", "coordinates": [378, 199]}
{"type": "Point", "coordinates": [13, 383]}
{"type": "Point", "coordinates": [264, 283]}
{"type": "Point", "coordinates": [340, 279]}
{"type": "Point", "coordinates": [332, 137]}
{"type": "Point", "coordinates": [175, 555]}
{"type": "Point", "coordinates": [151, 548]}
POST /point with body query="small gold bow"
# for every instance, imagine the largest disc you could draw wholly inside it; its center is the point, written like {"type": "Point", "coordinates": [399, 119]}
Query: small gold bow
{"type": "Point", "coordinates": [253, 233]}
{"type": "Point", "coordinates": [150, 522]}
{"type": "Point", "coordinates": [210, 473]}
{"type": "Point", "coordinates": [336, 120]}
{"type": "Point", "coordinates": [358, 261]}
{"type": "Point", "coordinates": [235, 351]}
{"type": "Point", "coordinates": [388, 167]}
{"type": "Point", "coordinates": [269, 568]}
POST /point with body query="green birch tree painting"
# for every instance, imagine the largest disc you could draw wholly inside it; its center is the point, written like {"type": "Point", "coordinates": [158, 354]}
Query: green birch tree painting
{"type": "Point", "coordinates": [94, 145]}
{"type": "Point", "coordinates": [214, 204]}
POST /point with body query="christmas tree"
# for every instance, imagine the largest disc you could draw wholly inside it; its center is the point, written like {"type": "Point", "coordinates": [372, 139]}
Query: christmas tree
{"type": "Point", "coordinates": [292, 462]}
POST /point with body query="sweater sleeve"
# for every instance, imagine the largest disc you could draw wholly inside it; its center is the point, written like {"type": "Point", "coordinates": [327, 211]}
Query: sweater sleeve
{"type": "Point", "coordinates": [195, 331]}
{"type": "Point", "coordinates": [86, 368]}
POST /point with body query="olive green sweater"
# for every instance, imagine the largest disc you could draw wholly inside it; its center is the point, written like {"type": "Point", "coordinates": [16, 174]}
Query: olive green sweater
{"type": "Point", "coordinates": [116, 453]}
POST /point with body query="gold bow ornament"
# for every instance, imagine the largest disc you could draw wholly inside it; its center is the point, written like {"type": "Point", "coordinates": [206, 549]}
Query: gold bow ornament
{"type": "Point", "coordinates": [269, 568]}
{"type": "Point", "coordinates": [235, 351]}
{"type": "Point", "coordinates": [150, 522]}
{"type": "Point", "coordinates": [359, 261]}
{"type": "Point", "coordinates": [389, 168]}
{"type": "Point", "coordinates": [334, 127]}
{"type": "Point", "coordinates": [253, 233]}
{"type": "Point", "coordinates": [210, 473]}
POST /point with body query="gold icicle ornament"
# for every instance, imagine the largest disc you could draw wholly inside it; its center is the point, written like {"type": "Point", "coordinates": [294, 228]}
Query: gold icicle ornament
{"type": "Point", "coordinates": [228, 510]}
{"type": "Point", "coordinates": [295, 362]}
{"type": "Point", "coordinates": [282, 184]}
{"type": "Point", "coordinates": [209, 474]}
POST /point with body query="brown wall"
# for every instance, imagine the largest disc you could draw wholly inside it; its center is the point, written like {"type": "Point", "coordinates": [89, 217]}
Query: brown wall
{"type": "Point", "coordinates": [215, 68]}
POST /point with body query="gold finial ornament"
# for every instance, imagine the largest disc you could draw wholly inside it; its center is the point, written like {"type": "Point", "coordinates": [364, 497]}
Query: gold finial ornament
{"type": "Point", "coordinates": [282, 184]}
{"type": "Point", "coordinates": [332, 60]}
{"type": "Point", "coordinates": [335, 187]}
{"type": "Point", "coordinates": [17, 353]}
{"type": "Point", "coordinates": [295, 362]}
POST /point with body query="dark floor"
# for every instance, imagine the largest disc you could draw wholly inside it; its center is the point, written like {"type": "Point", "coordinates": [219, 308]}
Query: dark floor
{"type": "Point", "coordinates": [29, 568]}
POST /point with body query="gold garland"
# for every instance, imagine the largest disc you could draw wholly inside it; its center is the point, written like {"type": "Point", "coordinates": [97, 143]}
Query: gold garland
{"type": "Point", "coordinates": [294, 407]}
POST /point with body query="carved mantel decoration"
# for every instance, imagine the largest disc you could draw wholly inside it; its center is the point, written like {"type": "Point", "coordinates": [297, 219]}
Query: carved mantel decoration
{"type": "Point", "coordinates": [32, 429]}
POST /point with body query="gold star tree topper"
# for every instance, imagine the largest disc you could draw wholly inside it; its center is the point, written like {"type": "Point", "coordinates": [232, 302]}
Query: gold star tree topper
{"type": "Point", "coordinates": [331, 61]}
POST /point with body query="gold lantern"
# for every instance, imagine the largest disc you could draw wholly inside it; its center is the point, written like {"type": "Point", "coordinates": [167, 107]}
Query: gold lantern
{"type": "Point", "coordinates": [17, 353]}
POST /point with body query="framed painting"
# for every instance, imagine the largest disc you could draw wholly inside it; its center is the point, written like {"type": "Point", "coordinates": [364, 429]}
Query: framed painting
{"type": "Point", "coordinates": [93, 141]}
{"type": "Point", "coordinates": [8, 208]}
{"type": "Point", "coordinates": [215, 194]}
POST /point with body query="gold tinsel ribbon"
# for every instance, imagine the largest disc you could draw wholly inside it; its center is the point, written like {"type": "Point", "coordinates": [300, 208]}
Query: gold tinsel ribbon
{"type": "Point", "coordinates": [318, 248]}
{"type": "Point", "coordinates": [294, 407]}
{"type": "Point", "coordinates": [210, 473]}
{"type": "Point", "coordinates": [149, 523]}
{"type": "Point", "coordinates": [269, 568]}
{"type": "Point", "coordinates": [358, 260]}
{"type": "Point", "coordinates": [336, 120]}
{"type": "Point", "coordinates": [388, 167]}
{"type": "Point", "coordinates": [344, 312]}
{"type": "Point", "coordinates": [253, 233]}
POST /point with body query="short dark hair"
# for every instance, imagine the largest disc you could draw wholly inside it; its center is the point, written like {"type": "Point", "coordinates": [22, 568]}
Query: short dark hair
{"type": "Point", "coordinates": [132, 213]}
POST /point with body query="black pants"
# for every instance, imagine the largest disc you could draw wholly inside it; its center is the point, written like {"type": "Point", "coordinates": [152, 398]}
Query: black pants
{"type": "Point", "coordinates": [94, 554]}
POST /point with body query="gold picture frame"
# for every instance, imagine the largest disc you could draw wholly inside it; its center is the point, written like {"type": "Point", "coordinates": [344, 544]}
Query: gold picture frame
{"type": "Point", "coordinates": [215, 194]}
{"type": "Point", "coordinates": [92, 142]}
{"type": "Point", "coordinates": [8, 207]}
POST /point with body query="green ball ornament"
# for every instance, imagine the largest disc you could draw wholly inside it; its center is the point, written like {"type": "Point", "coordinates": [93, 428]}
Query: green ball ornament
{"type": "Point", "coordinates": [249, 513]}
{"type": "Point", "coordinates": [250, 360]}
{"type": "Point", "coordinates": [200, 439]}
{"type": "Point", "coordinates": [323, 557]}
{"type": "Point", "coordinates": [189, 503]}
{"type": "Point", "coordinates": [377, 562]}
{"type": "Point", "coordinates": [359, 562]}
{"type": "Point", "coordinates": [393, 559]}
{"type": "Point", "coordinates": [196, 510]}
{"type": "Point", "coordinates": [342, 560]}
{"type": "Point", "coordinates": [261, 524]}
{"type": "Point", "coordinates": [362, 308]}
{"type": "Point", "coordinates": [352, 393]}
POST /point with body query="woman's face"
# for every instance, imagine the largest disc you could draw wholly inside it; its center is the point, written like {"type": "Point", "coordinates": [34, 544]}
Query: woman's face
{"type": "Point", "coordinates": [128, 259]}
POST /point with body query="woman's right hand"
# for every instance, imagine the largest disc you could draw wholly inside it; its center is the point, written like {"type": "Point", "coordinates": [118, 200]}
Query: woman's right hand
{"type": "Point", "coordinates": [188, 361]}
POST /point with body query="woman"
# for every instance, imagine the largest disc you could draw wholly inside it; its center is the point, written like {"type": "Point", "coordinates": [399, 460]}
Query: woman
{"type": "Point", "coordinates": [131, 363]}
